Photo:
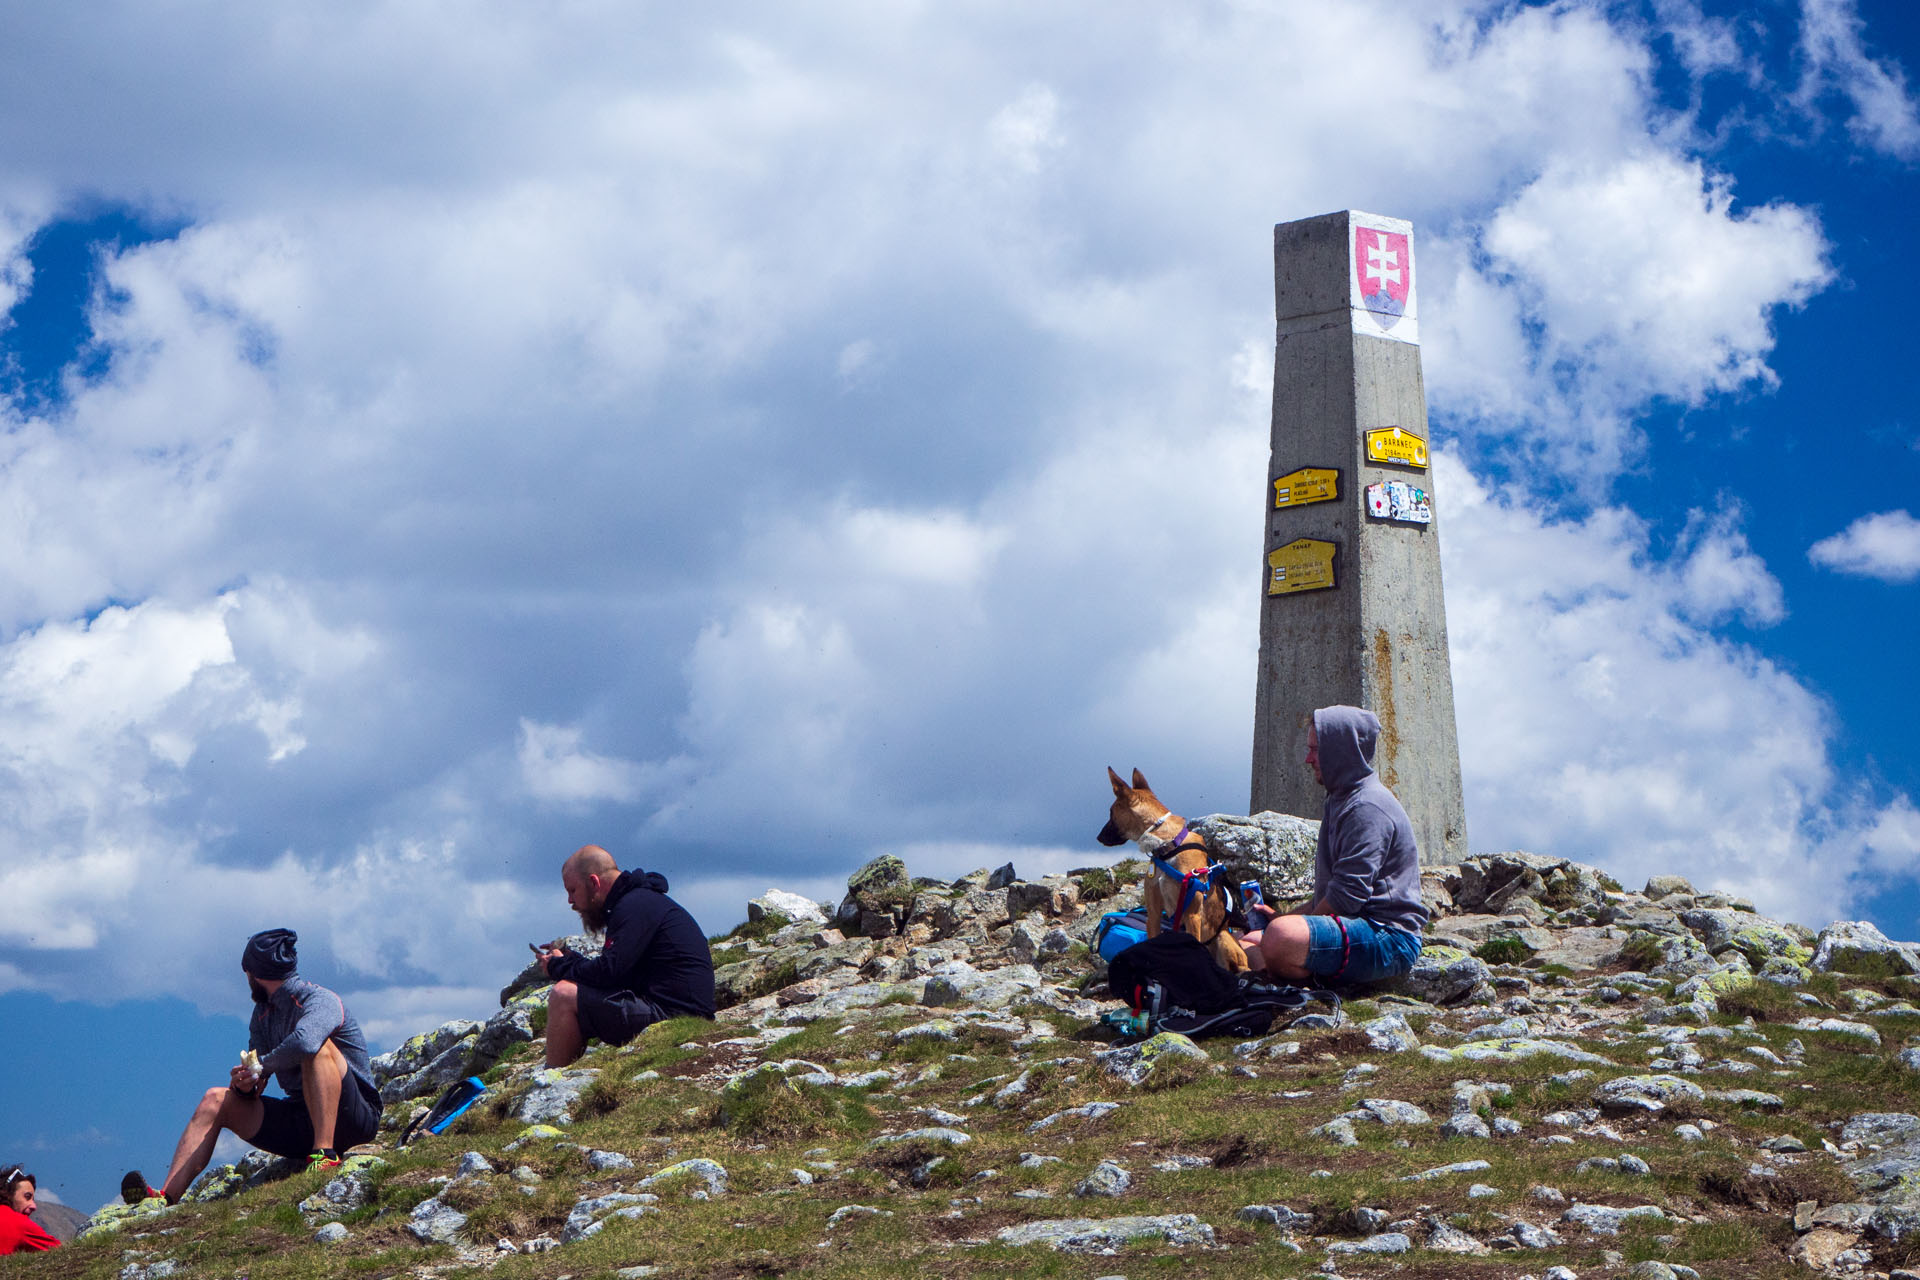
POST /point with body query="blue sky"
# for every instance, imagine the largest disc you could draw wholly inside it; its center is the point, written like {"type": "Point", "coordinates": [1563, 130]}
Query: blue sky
{"type": "Point", "coordinates": [747, 438]}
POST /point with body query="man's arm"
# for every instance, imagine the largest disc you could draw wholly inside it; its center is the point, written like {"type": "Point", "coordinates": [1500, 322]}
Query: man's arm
{"type": "Point", "coordinates": [320, 1016]}
{"type": "Point", "coordinates": [629, 935]}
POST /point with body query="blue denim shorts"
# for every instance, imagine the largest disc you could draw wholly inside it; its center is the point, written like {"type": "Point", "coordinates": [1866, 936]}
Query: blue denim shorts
{"type": "Point", "coordinates": [1362, 953]}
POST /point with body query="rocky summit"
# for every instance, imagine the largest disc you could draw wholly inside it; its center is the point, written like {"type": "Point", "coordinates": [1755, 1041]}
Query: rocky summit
{"type": "Point", "coordinates": [1578, 1079]}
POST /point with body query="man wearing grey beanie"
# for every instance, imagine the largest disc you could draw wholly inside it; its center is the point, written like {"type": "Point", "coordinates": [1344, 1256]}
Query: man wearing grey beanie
{"type": "Point", "coordinates": [305, 1038]}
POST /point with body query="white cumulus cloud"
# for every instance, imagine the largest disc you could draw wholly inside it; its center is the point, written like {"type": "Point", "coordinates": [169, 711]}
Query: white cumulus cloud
{"type": "Point", "coordinates": [1885, 545]}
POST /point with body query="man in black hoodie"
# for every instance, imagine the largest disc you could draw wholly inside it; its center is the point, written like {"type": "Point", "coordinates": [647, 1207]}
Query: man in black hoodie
{"type": "Point", "coordinates": [655, 963]}
{"type": "Point", "coordinates": [1364, 920]}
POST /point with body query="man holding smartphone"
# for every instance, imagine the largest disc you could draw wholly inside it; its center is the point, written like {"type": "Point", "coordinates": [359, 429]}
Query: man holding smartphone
{"type": "Point", "coordinates": [655, 964]}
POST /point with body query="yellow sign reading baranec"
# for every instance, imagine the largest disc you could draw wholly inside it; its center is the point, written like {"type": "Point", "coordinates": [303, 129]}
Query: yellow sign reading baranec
{"type": "Point", "coordinates": [1309, 484]}
{"type": "Point", "coordinates": [1305, 564]}
{"type": "Point", "coordinates": [1396, 446]}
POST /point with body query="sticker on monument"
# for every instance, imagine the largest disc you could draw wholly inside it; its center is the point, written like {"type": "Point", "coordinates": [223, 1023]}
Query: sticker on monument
{"type": "Point", "coordinates": [1309, 484]}
{"type": "Point", "coordinates": [1305, 564]}
{"type": "Point", "coordinates": [1396, 447]}
{"type": "Point", "coordinates": [1385, 301]}
{"type": "Point", "coordinates": [1400, 501]}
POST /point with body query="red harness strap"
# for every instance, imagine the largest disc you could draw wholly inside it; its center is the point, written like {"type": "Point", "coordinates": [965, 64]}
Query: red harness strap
{"type": "Point", "coordinates": [1346, 947]}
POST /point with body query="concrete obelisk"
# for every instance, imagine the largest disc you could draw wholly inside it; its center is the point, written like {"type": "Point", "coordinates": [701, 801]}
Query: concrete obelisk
{"type": "Point", "coordinates": [1351, 607]}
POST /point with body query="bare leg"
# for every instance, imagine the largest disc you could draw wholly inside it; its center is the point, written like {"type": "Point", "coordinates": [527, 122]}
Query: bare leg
{"type": "Point", "coordinates": [565, 1041]}
{"type": "Point", "coordinates": [321, 1078]}
{"type": "Point", "coordinates": [1283, 944]}
{"type": "Point", "coordinates": [220, 1108]}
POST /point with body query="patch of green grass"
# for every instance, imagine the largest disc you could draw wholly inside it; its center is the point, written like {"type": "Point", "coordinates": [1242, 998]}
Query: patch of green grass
{"type": "Point", "coordinates": [1508, 950]}
{"type": "Point", "coordinates": [767, 1106]}
{"type": "Point", "coordinates": [1641, 951]}
{"type": "Point", "coordinates": [752, 930]}
{"type": "Point", "coordinates": [1761, 1001]}
{"type": "Point", "coordinates": [1874, 968]}
{"type": "Point", "coordinates": [1097, 884]}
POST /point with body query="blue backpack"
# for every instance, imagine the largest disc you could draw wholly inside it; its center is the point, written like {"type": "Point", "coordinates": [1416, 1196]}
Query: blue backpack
{"type": "Point", "coordinates": [1119, 930]}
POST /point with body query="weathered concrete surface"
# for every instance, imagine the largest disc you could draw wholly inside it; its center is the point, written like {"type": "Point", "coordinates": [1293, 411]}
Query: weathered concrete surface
{"type": "Point", "coordinates": [1378, 639]}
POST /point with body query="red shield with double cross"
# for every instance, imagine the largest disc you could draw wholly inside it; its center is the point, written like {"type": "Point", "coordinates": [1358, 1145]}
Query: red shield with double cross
{"type": "Point", "coordinates": [1383, 265]}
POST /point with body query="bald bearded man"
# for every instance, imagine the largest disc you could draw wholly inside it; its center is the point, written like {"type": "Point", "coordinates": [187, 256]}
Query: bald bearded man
{"type": "Point", "coordinates": [655, 964]}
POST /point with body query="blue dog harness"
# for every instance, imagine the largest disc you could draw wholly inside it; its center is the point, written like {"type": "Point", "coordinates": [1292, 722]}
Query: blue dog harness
{"type": "Point", "coordinates": [1200, 880]}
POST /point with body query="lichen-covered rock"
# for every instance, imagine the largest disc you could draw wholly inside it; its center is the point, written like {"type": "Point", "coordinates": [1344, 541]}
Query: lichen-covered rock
{"type": "Point", "coordinates": [1510, 883]}
{"type": "Point", "coordinates": [1649, 1094]}
{"type": "Point", "coordinates": [589, 1216]}
{"type": "Point", "coordinates": [1510, 1050]}
{"type": "Point", "coordinates": [113, 1217]}
{"type": "Point", "coordinates": [1054, 896]}
{"type": "Point", "coordinates": [415, 1054]}
{"type": "Point", "coordinates": [255, 1169]}
{"type": "Point", "coordinates": [1840, 1027]}
{"type": "Point", "coordinates": [1108, 1235]}
{"type": "Point", "coordinates": [435, 1222]}
{"type": "Point", "coordinates": [710, 1173]}
{"type": "Point", "coordinates": [1138, 1063]}
{"type": "Point", "coordinates": [957, 982]}
{"type": "Point", "coordinates": [345, 1192]}
{"type": "Point", "coordinates": [1855, 946]}
{"type": "Point", "coordinates": [1390, 1033]}
{"type": "Point", "coordinates": [1604, 1220]}
{"type": "Point", "coordinates": [551, 1097]}
{"type": "Point", "coordinates": [1274, 848]}
{"type": "Point", "coordinates": [450, 1065]}
{"type": "Point", "coordinates": [877, 898]}
{"type": "Point", "coordinates": [508, 1027]}
{"type": "Point", "coordinates": [1390, 1112]}
{"type": "Point", "coordinates": [793, 907]}
{"type": "Point", "coordinates": [1444, 975]}
{"type": "Point", "coordinates": [1681, 956]}
{"type": "Point", "coordinates": [1107, 1179]}
{"type": "Point", "coordinates": [1764, 942]}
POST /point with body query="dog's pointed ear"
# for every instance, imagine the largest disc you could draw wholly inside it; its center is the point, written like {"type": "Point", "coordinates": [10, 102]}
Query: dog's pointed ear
{"type": "Point", "coordinates": [1118, 786]}
{"type": "Point", "coordinates": [1140, 781]}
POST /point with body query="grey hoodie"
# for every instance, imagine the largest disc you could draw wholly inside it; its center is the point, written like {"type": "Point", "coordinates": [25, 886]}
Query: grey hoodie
{"type": "Point", "coordinates": [1366, 865]}
{"type": "Point", "coordinates": [295, 1021]}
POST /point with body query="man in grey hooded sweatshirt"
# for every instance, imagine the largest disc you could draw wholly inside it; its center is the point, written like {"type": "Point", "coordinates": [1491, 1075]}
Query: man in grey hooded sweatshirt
{"type": "Point", "coordinates": [1364, 920]}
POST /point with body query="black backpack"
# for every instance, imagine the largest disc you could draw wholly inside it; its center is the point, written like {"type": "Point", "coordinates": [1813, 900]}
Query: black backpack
{"type": "Point", "coordinates": [1174, 984]}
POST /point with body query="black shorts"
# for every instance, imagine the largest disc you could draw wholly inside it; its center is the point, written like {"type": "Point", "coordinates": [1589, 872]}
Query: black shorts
{"type": "Point", "coordinates": [287, 1129]}
{"type": "Point", "coordinates": [615, 1017]}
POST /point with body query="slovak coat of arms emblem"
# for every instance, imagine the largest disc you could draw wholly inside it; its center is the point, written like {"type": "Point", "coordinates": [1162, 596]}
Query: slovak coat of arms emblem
{"type": "Point", "coordinates": [1383, 269]}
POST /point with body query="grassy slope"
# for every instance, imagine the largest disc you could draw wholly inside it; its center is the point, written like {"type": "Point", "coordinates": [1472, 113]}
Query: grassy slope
{"type": "Point", "coordinates": [771, 1224]}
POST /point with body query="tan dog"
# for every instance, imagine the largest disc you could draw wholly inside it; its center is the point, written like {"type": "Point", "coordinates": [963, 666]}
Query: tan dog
{"type": "Point", "coordinates": [1138, 815]}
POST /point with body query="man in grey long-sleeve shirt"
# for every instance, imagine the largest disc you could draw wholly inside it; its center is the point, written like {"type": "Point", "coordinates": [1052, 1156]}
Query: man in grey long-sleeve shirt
{"type": "Point", "coordinates": [305, 1039]}
{"type": "Point", "coordinates": [1364, 920]}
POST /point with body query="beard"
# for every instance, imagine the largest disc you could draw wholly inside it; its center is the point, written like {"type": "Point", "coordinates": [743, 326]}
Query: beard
{"type": "Point", "coordinates": [594, 918]}
{"type": "Point", "coordinates": [254, 989]}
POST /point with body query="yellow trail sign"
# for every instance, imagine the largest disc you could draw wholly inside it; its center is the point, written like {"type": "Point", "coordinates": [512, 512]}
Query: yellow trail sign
{"type": "Point", "coordinates": [1309, 484]}
{"type": "Point", "coordinates": [1305, 564]}
{"type": "Point", "coordinates": [1396, 446]}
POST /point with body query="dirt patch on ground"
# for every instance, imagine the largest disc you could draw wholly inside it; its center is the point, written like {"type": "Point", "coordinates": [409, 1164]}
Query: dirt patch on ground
{"type": "Point", "coordinates": [717, 1063]}
{"type": "Point", "coordinates": [1337, 1042]}
{"type": "Point", "coordinates": [1778, 1194]}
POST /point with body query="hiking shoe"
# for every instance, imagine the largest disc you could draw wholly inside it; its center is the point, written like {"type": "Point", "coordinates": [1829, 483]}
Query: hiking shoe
{"type": "Point", "coordinates": [321, 1158]}
{"type": "Point", "coordinates": [134, 1188]}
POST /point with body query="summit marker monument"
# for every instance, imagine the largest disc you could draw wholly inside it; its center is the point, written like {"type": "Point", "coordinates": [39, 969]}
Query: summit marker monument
{"type": "Point", "coordinates": [1352, 610]}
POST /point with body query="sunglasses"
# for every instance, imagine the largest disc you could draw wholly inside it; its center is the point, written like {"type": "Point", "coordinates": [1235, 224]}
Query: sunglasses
{"type": "Point", "coordinates": [19, 1175]}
